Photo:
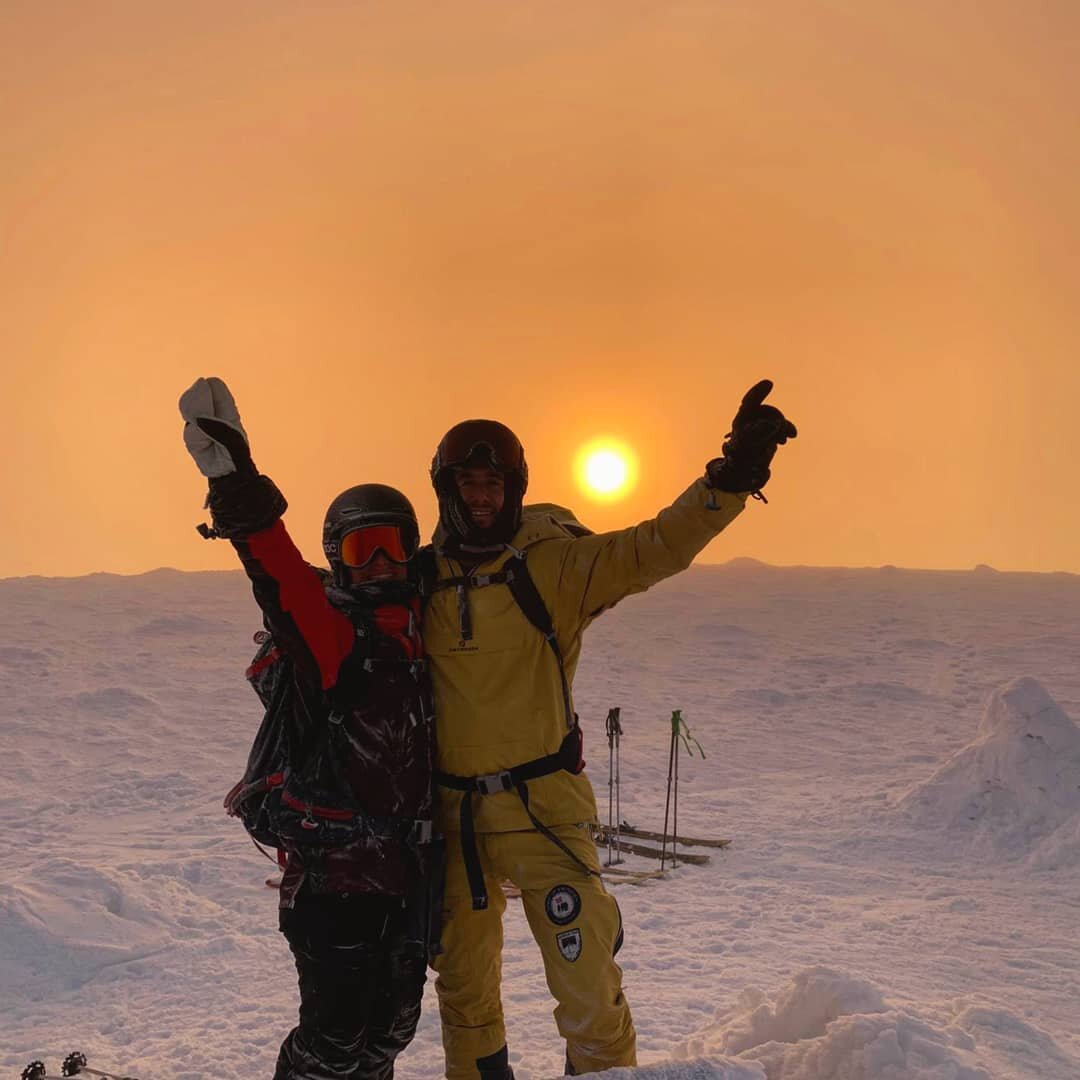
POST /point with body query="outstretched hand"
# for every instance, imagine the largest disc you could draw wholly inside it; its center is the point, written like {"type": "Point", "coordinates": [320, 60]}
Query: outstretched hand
{"type": "Point", "coordinates": [759, 424]}
{"type": "Point", "coordinates": [213, 433]}
{"type": "Point", "coordinates": [756, 432]}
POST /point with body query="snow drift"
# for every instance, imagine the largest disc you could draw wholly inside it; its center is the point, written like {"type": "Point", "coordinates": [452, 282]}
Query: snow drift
{"type": "Point", "coordinates": [825, 1025]}
{"type": "Point", "coordinates": [1016, 784]}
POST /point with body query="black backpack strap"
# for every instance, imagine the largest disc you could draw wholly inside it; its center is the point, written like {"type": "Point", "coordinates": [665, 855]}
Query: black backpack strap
{"type": "Point", "coordinates": [427, 574]}
{"type": "Point", "coordinates": [528, 598]}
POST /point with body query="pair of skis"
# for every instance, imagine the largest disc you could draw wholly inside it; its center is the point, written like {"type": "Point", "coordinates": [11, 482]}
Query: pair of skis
{"type": "Point", "coordinates": [605, 835]}
{"type": "Point", "coordinates": [73, 1065]}
{"type": "Point", "coordinates": [617, 875]}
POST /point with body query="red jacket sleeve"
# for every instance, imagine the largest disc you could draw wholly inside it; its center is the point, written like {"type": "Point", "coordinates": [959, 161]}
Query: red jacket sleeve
{"type": "Point", "coordinates": [316, 635]}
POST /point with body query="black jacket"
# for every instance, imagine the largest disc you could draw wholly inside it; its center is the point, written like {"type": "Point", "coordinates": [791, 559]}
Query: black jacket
{"type": "Point", "coordinates": [355, 660]}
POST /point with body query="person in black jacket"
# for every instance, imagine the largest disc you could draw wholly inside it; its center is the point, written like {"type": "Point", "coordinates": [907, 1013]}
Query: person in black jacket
{"type": "Point", "coordinates": [352, 889]}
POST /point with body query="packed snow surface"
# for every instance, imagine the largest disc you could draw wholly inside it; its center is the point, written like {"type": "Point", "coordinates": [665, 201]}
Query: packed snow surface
{"type": "Point", "coordinates": [893, 753]}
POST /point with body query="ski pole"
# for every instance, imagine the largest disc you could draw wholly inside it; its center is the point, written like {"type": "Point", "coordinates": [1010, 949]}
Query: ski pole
{"type": "Point", "coordinates": [618, 784]}
{"type": "Point", "coordinates": [675, 807]}
{"type": "Point", "coordinates": [667, 799]}
{"type": "Point", "coordinates": [610, 783]}
{"type": "Point", "coordinates": [614, 730]}
{"type": "Point", "coordinates": [679, 732]}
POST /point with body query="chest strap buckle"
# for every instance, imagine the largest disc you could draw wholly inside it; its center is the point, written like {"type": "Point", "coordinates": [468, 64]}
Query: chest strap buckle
{"type": "Point", "coordinates": [493, 783]}
{"type": "Point", "coordinates": [422, 832]}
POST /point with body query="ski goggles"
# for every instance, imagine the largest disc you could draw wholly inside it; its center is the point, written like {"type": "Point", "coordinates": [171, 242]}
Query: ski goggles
{"type": "Point", "coordinates": [484, 439]}
{"type": "Point", "coordinates": [361, 545]}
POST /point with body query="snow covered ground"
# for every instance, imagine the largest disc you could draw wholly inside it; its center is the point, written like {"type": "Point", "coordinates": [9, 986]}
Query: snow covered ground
{"type": "Point", "coordinates": [893, 752]}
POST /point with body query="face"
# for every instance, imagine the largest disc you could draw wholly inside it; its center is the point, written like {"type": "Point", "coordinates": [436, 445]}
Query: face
{"type": "Point", "coordinates": [379, 569]}
{"type": "Point", "coordinates": [483, 490]}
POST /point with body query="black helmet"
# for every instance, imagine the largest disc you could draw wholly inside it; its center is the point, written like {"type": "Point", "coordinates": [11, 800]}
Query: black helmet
{"type": "Point", "coordinates": [360, 507]}
{"type": "Point", "coordinates": [479, 443]}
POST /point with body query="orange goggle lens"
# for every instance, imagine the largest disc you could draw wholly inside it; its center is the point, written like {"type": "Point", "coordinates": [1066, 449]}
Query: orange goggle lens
{"type": "Point", "coordinates": [360, 546]}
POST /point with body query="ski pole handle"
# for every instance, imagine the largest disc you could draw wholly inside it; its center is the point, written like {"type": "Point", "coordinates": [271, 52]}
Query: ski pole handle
{"type": "Point", "coordinates": [680, 730]}
{"type": "Point", "coordinates": [75, 1065]}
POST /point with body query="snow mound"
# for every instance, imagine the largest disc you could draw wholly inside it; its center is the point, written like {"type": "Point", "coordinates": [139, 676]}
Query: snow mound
{"type": "Point", "coordinates": [802, 1010]}
{"type": "Point", "coordinates": [701, 1069]}
{"type": "Point", "coordinates": [66, 922]}
{"type": "Point", "coordinates": [1032, 1049]}
{"type": "Point", "coordinates": [178, 624]}
{"type": "Point", "coordinates": [15, 656]}
{"type": "Point", "coordinates": [111, 701]}
{"type": "Point", "coordinates": [1061, 849]}
{"type": "Point", "coordinates": [1016, 784]}
{"type": "Point", "coordinates": [825, 1025]}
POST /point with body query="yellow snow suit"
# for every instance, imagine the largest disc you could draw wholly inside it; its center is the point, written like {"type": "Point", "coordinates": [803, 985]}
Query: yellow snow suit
{"type": "Point", "coordinates": [499, 703]}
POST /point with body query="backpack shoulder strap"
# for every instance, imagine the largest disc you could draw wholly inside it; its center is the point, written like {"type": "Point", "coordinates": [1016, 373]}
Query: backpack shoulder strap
{"type": "Point", "coordinates": [527, 597]}
{"type": "Point", "coordinates": [427, 574]}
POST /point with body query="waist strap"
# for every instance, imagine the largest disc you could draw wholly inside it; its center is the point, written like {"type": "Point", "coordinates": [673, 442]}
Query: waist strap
{"type": "Point", "coordinates": [567, 758]}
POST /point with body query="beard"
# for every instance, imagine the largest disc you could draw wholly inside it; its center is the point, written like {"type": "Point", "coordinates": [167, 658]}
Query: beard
{"type": "Point", "coordinates": [464, 534]}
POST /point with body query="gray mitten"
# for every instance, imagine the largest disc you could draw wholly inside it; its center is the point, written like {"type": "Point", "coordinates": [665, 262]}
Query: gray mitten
{"type": "Point", "coordinates": [213, 433]}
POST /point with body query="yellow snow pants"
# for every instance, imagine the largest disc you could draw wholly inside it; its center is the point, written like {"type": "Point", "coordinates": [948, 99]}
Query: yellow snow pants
{"type": "Point", "coordinates": [578, 928]}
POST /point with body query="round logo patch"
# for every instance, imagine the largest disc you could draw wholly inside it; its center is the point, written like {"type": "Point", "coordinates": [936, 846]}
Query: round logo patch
{"type": "Point", "coordinates": [562, 905]}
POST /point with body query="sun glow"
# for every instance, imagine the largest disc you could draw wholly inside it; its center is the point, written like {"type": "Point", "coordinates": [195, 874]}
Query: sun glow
{"type": "Point", "coordinates": [606, 469]}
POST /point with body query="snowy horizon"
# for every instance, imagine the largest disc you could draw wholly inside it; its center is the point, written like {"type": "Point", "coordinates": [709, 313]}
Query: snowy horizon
{"type": "Point", "coordinates": [737, 561]}
{"type": "Point", "coordinates": [894, 754]}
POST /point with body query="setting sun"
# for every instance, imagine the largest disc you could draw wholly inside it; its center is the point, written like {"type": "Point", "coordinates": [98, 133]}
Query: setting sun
{"type": "Point", "coordinates": [606, 469]}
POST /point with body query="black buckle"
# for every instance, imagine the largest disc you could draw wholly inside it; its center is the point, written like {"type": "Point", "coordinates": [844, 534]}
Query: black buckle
{"type": "Point", "coordinates": [422, 832]}
{"type": "Point", "coordinates": [493, 783]}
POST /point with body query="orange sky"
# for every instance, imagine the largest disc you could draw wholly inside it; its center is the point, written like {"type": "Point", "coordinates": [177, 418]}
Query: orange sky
{"type": "Point", "coordinates": [374, 220]}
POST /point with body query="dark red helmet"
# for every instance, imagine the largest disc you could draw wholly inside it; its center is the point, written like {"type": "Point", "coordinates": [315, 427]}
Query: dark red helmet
{"type": "Point", "coordinates": [479, 443]}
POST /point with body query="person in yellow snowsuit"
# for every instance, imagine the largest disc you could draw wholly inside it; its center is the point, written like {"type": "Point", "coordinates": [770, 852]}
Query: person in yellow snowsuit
{"type": "Point", "coordinates": [510, 596]}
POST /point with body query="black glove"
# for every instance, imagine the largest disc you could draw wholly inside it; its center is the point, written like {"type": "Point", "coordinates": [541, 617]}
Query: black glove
{"type": "Point", "coordinates": [748, 450]}
{"type": "Point", "coordinates": [241, 500]}
{"type": "Point", "coordinates": [244, 503]}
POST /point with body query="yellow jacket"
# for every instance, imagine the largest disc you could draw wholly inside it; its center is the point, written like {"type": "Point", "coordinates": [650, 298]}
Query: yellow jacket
{"type": "Point", "coordinates": [498, 695]}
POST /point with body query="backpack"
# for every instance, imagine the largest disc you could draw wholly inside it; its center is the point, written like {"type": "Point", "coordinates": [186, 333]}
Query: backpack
{"type": "Point", "coordinates": [293, 792]}
{"type": "Point", "coordinates": [255, 798]}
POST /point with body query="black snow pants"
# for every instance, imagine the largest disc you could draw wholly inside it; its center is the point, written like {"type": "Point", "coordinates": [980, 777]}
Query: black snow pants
{"type": "Point", "coordinates": [361, 981]}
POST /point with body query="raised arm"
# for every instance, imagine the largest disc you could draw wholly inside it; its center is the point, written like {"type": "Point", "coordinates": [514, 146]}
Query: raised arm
{"type": "Point", "coordinates": [246, 508]}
